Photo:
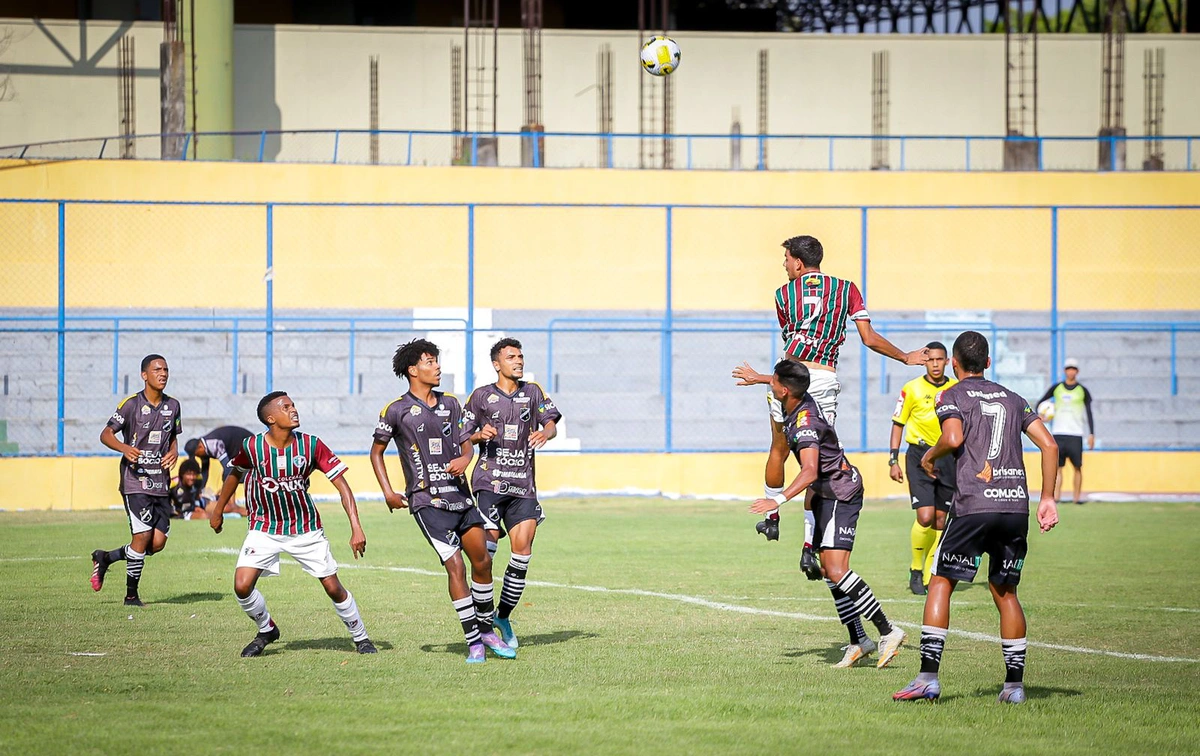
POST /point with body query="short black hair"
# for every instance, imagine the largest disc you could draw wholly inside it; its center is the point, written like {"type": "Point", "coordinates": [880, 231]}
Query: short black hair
{"type": "Point", "coordinates": [936, 345]}
{"type": "Point", "coordinates": [190, 447]}
{"type": "Point", "coordinates": [501, 344]}
{"type": "Point", "coordinates": [971, 351]}
{"type": "Point", "coordinates": [793, 375]}
{"type": "Point", "coordinates": [189, 465]}
{"type": "Point", "coordinates": [806, 249]}
{"type": "Point", "coordinates": [262, 404]}
{"type": "Point", "coordinates": [151, 358]}
{"type": "Point", "coordinates": [408, 355]}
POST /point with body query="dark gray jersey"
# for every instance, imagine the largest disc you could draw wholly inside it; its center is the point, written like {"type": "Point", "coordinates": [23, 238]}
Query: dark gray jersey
{"type": "Point", "coordinates": [428, 439]}
{"type": "Point", "coordinates": [151, 429]}
{"type": "Point", "coordinates": [805, 427]}
{"type": "Point", "coordinates": [221, 444]}
{"type": "Point", "coordinates": [989, 465]}
{"type": "Point", "coordinates": [505, 463]}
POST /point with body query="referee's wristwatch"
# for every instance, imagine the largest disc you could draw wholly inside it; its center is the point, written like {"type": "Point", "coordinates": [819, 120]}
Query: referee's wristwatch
{"type": "Point", "coordinates": [894, 457]}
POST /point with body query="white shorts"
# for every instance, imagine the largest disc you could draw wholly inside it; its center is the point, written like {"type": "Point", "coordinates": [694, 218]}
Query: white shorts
{"type": "Point", "coordinates": [261, 551]}
{"type": "Point", "coordinates": [823, 387]}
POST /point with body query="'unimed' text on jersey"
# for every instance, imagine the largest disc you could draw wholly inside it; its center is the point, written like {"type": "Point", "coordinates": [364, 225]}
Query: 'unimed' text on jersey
{"type": "Point", "coordinates": [805, 427]}
{"type": "Point", "coordinates": [428, 440]}
{"type": "Point", "coordinates": [989, 464]}
{"type": "Point", "coordinates": [150, 429]}
{"type": "Point", "coordinates": [813, 311]}
{"type": "Point", "coordinates": [505, 463]}
{"type": "Point", "coordinates": [277, 500]}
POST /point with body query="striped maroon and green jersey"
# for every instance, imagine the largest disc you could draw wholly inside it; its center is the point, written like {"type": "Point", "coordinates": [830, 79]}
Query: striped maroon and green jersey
{"type": "Point", "coordinates": [813, 311]}
{"type": "Point", "coordinates": [276, 482]}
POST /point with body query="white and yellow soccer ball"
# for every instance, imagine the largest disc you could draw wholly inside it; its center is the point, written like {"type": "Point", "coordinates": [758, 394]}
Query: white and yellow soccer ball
{"type": "Point", "coordinates": [1045, 410]}
{"type": "Point", "coordinates": [660, 55]}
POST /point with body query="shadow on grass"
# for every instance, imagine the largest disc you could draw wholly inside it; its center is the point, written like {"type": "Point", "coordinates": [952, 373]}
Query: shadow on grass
{"type": "Point", "coordinates": [1033, 693]}
{"type": "Point", "coordinates": [340, 643]}
{"type": "Point", "coordinates": [191, 598]}
{"type": "Point", "coordinates": [543, 639]}
{"type": "Point", "coordinates": [830, 655]}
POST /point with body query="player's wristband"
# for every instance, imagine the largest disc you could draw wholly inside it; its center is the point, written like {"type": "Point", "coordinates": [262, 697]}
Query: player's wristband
{"type": "Point", "coordinates": [779, 498]}
{"type": "Point", "coordinates": [894, 459]}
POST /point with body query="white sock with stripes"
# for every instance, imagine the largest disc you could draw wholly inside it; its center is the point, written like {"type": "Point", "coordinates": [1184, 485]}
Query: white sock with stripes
{"type": "Point", "coordinates": [348, 612]}
{"type": "Point", "coordinates": [255, 607]}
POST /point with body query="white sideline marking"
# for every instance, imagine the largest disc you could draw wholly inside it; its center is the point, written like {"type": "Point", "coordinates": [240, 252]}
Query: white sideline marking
{"type": "Point", "coordinates": [87, 653]}
{"type": "Point", "coordinates": [724, 607]}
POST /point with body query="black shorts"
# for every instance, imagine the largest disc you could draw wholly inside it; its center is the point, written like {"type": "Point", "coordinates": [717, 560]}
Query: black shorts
{"type": "Point", "coordinates": [148, 513]}
{"type": "Point", "coordinates": [1070, 447]}
{"type": "Point", "coordinates": [926, 491]}
{"type": "Point", "coordinates": [506, 511]}
{"type": "Point", "coordinates": [836, 522]}
{"type": "Point", "coordinates": [967, 538]}
{"type": "Point", "coordinates": [443, 529]}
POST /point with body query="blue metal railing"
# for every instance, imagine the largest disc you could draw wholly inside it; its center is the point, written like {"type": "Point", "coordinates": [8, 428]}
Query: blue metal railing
{"type": "Point", "coordinates": [962, 151]}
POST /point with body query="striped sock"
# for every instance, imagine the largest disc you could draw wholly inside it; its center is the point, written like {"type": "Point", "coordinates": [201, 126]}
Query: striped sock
{"type": "Point", "coordinates": [514, 583]}
{"type": "Point", "coordinates": [491, 547]}
{"type": "Point", "coordinates": [134, 561]}
{"type": "Point", "coordinates": [255, 607]}
{"type": "Point", "coordinates": [1014, 659]}
{"type": "Point", "coordinates": [483, 594]}
{"type": "Point", "coordinates": [933, 643]}
{"type": "Point", "coordinates": [348, 612]}
{"type": "Point", "coordinates": [864, 601]}
{"type": "Point", "coordinates": [465, 608]}
{"type": "Point", "coordinates": [847, 614]}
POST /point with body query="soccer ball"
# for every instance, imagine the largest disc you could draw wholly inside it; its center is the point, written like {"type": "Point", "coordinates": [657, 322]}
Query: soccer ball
{"type": "Point", "coordinates": [1046, 410]}
{"type": "Point", "coordinates": [660, 55]}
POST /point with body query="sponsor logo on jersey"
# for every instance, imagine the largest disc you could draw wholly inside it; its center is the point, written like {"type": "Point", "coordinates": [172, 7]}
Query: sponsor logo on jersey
{"type": "Point", "coordinates": [1005, 493]}
{"type": "Point", "coordinates": [986, 473]}
{"type": "Point", "coordinates": [414, 410]}
{"type": "Point", "coordinates": [899, 404]}
{"type": "Point", "coordinates": [986, 394]}
{"type": "Point", "coordinates": [145, 409]}
{"type": "Point", "coordinates": [1015, 565]}
{"type": "Point", "coordinates": [418, 466]}
{"type": "Point", "coordinates": [961, 559]}
{"type": "Point", "coordinates": [118, 417]}
{"type": "Point", "coordinates": [421, 428]}
{"type": "Point", "coordinates": [812, 281]}
{"type": "Point", "coordinates": [511, 432]}
{"type": "Point", "coordinates": [1008, 472]}
{"type": "Point", "coordinates": [167, 412]}
{"type": "Point", "coordinates": [846, 531]}
{"type": "Point", "coordinates": [510, 457]}
{"type": "Point", "coordinates": [435, 446]}
{"type": "Point", "coordinates": [381, 425]}
{"type": "Point", "coordinates": [286, 483]}
{"type": "Point", "coordinates": [155, 437]}
{"type": "Point", "coordinates": [441, 412]}
{"type": "Point", "coordinates": [492, 399]}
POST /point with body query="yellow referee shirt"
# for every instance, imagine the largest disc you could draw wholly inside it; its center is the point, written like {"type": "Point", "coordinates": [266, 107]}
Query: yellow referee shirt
{"type": "Point", "coordinates": [915, 410]}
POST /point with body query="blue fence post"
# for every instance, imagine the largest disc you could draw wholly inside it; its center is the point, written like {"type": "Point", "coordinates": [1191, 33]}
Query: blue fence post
{"type": "Point", "coordinates": [337, 137]}
{"type": "Point", "coordinates": [862, 349]}
{"type": "Point", "coordinates": [187, 142]}
{"type": "Point", "coordinates": [470, 295]}
{"type": "Point", "coordinates": [262, 148]}
{"type": "Point", "coordinates": [689, 152]}
{"type": "Point", "coordinates": [1174, 371]}
{"type": "Point", "coordinates": [968, 140]}
{"type": "Point", "coordinates": [408, 152]}
{"type": "Point", "coordinates": [537, 154]}
{"type": "Point", "coordinates": [1041, 154]}
{"type": "Point", "coordinates": [762, 152]}
{"type": "Point", "coordinates": [62, 328]}
{"type": "Point", "coordinates": [831, 153]}
{"type": "Point", "coordinates": [1053, 292]}
{"type": "Point", "coordinates": [474, 148]}
{"type": "Point", "coordinates": [270, 329]}
{"type": "Point", "coordinates": [903, 142]}
{"type": "Point", "coordinates": [609, 150]}
{"type": "Point", "coordinates": [667, 338]}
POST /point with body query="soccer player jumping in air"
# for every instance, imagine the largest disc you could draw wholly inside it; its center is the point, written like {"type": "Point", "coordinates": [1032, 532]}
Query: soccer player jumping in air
{"type": "Point", "coordinates": [510, 420]}
{"type": "Point", "coordinates": [982, 424]}
{"type": "Point", "coordinates": [435, 449]}
{"type": "Point", "coordinates": [837, 497]}
{"type": "Point", "coordinates": [813, 309]}
{"type": "Point", "coordinates": [149, 424]}
{"type": "Point", "coordinates": [275, 466]}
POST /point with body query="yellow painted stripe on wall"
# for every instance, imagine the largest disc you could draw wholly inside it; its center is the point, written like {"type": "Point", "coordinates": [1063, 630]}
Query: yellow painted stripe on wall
{"type": "Point", "coordinates": [91, 482]}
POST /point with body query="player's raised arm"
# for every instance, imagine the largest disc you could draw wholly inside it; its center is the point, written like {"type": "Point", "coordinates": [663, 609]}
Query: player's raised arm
{"type": "Point", "coordinates": [872, 340]}
{"type": "Point", "coordinates": [393, 499]}
{"type": "Point", "coordinates": [809, 461]}
{"type": "Point", "coordinates": [748, 376]}
{"type": "Point", "coordinates": [216, 518]}
{"type": "Point", "coordinates": [952, 438]}
{"type": "Point", "coordinates": [1047, 511]}
{"type": "Point", "coordinates": [538, 438]}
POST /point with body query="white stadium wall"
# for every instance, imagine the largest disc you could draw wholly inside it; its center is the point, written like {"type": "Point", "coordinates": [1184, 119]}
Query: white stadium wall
{"type": "Point", "coordinates": [302, 77]}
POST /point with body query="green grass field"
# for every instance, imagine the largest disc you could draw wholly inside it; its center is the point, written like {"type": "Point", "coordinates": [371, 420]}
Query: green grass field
{"type": "Point", "coordinates": [649, 636]}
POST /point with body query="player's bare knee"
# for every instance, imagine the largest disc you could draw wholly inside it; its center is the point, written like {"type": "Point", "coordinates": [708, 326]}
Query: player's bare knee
{"type": "Point", "coordinates": [243, 587]}
{"type": "Point", "coordinates": [939, 520]}
{"type": "Point", "coordinates": [334, 588]}
{"type": "Point", "coordinates": [925, 517]}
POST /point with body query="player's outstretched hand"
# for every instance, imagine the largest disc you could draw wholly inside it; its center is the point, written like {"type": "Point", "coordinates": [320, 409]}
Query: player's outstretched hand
{"type": "Point", "coordinates": [358, 542]}
{"type": "Point", "coordinates": [395, 501]}
{"type": "Point", "coordinates": [1047, 514]}
{"type": "Point", "coordinates": [762, 506]}
{"type": "Point", "coordinates": [748, 376]}
{"type": "Point", "coordinates": [896, 474]}
{"type": "Point", "coordinates": [537, 439]}
{"type": "Point", "coordinates": [927, 464]}
{"type": "Point", "coordinates": [917, 356]}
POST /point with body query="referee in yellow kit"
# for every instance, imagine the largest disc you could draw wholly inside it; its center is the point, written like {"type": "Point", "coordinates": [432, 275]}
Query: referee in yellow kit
{"type": "Point", "coordinates": [915, 417]}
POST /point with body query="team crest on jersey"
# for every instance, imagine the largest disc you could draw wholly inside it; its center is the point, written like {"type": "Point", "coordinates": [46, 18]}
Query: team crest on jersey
{"type": "Point", "coordinates": [525, 415]}
{"type": "Point", "coordinates": [300, 460]}
{"type": "Point", "coordinates": [414, 410]}
{"type": "Point", "coordinates": [446, 428]}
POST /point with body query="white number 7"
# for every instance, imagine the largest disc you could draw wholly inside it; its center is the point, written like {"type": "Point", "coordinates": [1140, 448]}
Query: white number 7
{"type": "Point", "coordinates": [996, 413]}
{"type": "Point", "coordinates": [818, 305]}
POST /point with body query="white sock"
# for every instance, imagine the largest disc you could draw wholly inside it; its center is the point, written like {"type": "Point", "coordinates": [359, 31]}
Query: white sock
{"type": "Point", "coordinates": [348, 611]}
{"type": "Point", "coordinates": [810, 527]}
{"type": "Point", "coordinates": [255, 607]}
{"type": "Point", "coordinates": [491, 547]}
{"type": "Point", "coordinates": [770, 492]}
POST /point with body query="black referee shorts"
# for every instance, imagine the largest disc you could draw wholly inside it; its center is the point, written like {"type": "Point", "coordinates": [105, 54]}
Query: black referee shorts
{"type": "Point", "coordinates": [926, 491]}
{"type": "Point", "coordinates": [1070, 447]}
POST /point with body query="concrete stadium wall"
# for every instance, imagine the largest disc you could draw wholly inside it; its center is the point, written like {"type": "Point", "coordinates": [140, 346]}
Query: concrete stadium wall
{"type": "Point", "coordinates": [298, 77]}
{"type": "Point", "coordinates": [74, 483]}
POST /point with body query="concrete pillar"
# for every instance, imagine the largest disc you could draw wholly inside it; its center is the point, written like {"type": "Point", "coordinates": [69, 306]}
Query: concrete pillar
{"type": "Point", "coordinates": [208, 34]}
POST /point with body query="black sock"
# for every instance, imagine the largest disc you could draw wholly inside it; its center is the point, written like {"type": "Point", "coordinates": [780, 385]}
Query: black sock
{"type": "Point", "coordinates": [115, 555]}
{"type": "Point", "coordinates": [133, 571]}
{"type": "Point", "coordinates": [514, 583]}
{"type": "Point", "coordinates": [1014, 659]}
{"type": "Point", "coordinates": [864, 601]}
